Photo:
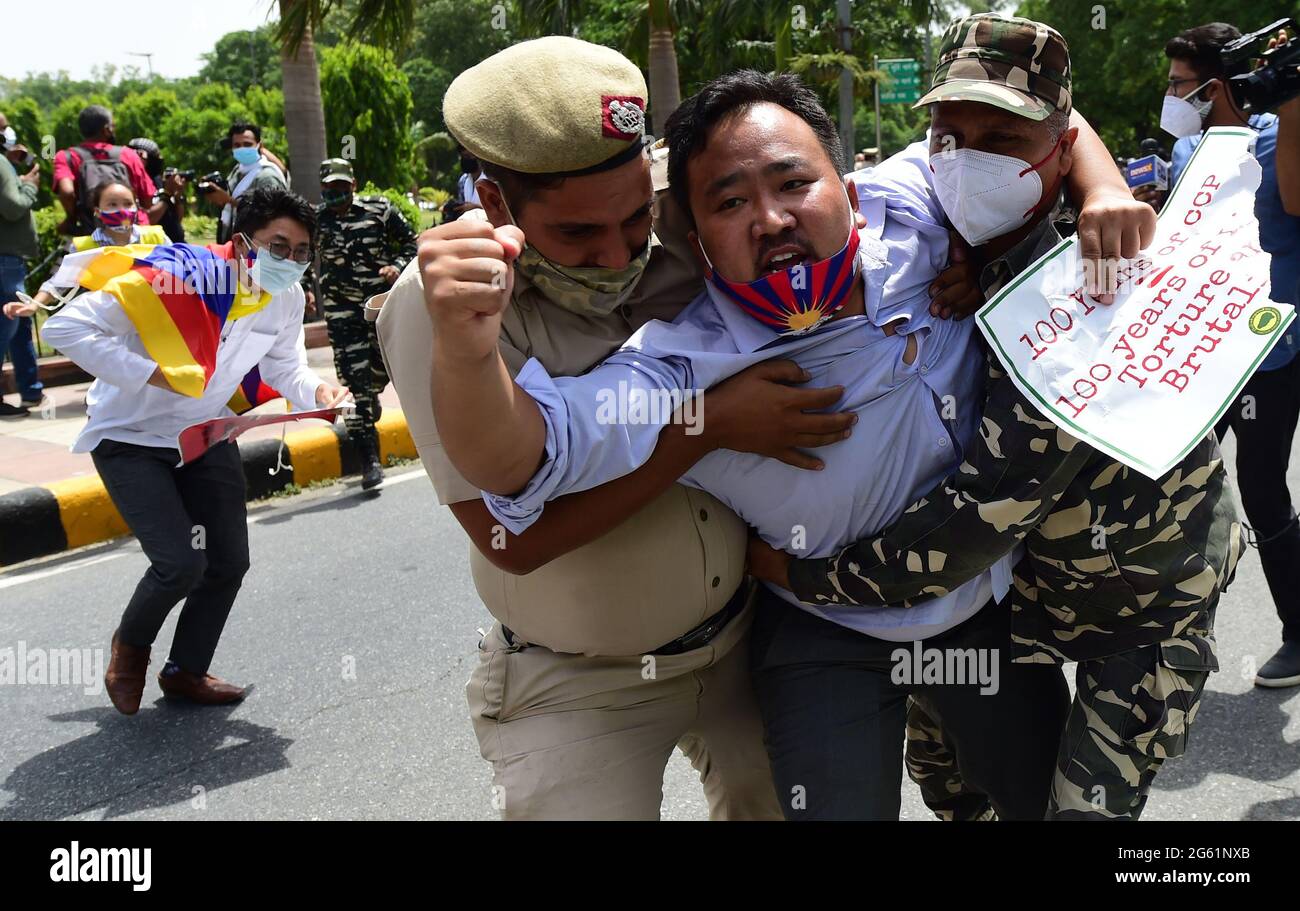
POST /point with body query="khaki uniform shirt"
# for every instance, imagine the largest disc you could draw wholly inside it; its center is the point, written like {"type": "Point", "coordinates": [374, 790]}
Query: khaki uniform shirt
{"type": "Point", "coordinates": [654, 577]}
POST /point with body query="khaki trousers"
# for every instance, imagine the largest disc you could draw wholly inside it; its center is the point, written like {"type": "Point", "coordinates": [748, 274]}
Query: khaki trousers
{"type": "Point", "coordinates": [576, 737]}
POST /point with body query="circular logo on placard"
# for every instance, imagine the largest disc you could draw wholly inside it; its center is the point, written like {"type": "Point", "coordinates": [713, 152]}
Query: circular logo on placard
{"type": "Point", "coordinates": [1265, 320]}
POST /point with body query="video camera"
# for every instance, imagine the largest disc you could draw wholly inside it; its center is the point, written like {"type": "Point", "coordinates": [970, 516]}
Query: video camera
{"type": "Point", "coordinates": [1275, 81]}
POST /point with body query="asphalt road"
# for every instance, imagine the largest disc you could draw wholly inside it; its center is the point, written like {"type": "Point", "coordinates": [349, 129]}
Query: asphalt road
{"type": "Point", "coordinates": [378, 585]}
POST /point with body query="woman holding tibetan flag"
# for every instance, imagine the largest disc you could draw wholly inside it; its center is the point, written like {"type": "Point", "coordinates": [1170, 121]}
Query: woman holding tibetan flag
{"type": "Point", "coordinates": [176, 335]}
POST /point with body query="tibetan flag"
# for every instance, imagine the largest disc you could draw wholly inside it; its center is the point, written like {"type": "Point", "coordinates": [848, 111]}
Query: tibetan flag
{"type": "Point", "coordinates": [179, 297]}
{"type": "Point", "coordinates": [251, 393]}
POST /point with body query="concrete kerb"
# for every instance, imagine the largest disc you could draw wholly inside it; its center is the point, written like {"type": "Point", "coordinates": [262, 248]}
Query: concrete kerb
{"type": "Point", "coordinates": [63, 515]}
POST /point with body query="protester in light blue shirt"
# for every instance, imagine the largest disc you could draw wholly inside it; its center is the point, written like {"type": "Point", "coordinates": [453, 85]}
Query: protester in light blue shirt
{"type": "Point", "coordinates": [914, 418]}
{"type": "Point", "coordinates": [771, 215]}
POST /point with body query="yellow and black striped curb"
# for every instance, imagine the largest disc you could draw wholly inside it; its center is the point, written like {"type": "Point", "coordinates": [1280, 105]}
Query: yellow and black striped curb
{"type": "Point", "coordinates": [60, 516]}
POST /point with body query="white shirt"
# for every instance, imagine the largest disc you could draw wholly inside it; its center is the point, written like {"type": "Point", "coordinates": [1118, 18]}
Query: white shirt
{"type": "Point", "coordinates": [96, 334]}
{"type": "Point", "coordinates": [468, 189]}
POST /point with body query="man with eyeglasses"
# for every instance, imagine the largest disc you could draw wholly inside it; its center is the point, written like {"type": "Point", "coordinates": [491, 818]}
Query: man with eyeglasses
{"type": "Point", "coordinates": [190, 520]}
{"type": "Point", "coordinates": [1266, 412]}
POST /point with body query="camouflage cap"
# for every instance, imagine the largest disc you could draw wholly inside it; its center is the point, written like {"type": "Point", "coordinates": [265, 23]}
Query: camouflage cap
{"type": "Point", "coordinates": [1015, 64]}
{"type": "Point", "coordinates": [335, 169]}
{"type": "Point", "coordinates": [549, 106]}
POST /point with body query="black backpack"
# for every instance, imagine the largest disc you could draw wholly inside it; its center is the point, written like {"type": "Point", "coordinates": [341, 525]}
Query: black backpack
{"type": "Point", "coordinates": [96, 166]}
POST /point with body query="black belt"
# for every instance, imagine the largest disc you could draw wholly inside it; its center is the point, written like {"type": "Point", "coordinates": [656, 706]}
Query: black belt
{"type": "Point", "coordinates": [700, 636]}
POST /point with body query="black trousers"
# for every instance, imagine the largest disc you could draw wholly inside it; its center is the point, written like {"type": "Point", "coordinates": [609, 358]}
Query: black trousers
{"type": "Point", "coordinates": [834, 717]}
{"type": "Point", "coordinates": [1264, 420]}
{"type": "Point", "coordinates": [192, 524]}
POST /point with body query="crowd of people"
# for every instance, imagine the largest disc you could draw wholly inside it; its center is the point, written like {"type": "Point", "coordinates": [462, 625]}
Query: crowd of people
{"type": "Point", "coordinates": [868, 475]}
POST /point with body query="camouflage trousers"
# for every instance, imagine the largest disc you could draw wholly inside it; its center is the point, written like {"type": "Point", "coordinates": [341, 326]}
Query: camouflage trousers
{"type": "Point", "coordinates": [1131, 712]}
{"type": "Point", "coordinates": [360, 368]}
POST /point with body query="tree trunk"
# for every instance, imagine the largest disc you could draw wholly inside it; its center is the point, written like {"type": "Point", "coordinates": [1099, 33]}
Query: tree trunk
{"type": "Point", "coordinates": [665, 89]}
{"type": "Point", "coordinates": [304, 115]}
{"type": "Point", "coordinates": [783, 46]}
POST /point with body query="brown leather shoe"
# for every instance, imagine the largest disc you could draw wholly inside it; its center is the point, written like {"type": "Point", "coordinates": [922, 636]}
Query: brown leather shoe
{"type": "Point", "coordinates": [201, 688]}
{"type": "Point", "coordinates": [124, 679]}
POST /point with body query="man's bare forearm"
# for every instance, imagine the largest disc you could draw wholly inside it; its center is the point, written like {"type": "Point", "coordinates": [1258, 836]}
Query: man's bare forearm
{"type": "Point", "coordinates": [1093, 168]}
{"type": "Point", "coordinates": [491, 429]}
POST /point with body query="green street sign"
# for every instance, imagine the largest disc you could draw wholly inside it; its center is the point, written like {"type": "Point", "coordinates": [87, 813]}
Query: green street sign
{"type": "Point", "coordinates": [902, 81]}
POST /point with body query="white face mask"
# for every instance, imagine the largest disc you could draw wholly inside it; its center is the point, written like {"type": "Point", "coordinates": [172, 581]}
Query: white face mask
{"type": "Point", "coordinates": [986, 195]}
{"type": "Point", "coordinates": [1180, 117]}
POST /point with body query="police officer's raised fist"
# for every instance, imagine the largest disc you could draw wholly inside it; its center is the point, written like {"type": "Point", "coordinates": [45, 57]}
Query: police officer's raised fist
{"type": "Point", "coordinates": [466, 270]}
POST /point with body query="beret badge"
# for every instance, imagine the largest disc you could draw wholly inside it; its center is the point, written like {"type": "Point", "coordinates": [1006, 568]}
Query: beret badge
{"type": "Point", "coordinates": [622, 116]}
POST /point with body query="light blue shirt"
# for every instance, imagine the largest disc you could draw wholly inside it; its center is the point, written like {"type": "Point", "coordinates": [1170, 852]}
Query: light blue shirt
{"type": "Point", "coordinates": [913, 420]}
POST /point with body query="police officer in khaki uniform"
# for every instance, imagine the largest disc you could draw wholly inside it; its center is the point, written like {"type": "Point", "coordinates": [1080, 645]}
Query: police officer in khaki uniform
{"type": "Point", "coordinates": [622, 622]}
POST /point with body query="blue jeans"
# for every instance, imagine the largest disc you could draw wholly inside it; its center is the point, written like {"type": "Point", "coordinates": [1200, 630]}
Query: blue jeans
{"type": "Point", "coordinates": [16, 334]}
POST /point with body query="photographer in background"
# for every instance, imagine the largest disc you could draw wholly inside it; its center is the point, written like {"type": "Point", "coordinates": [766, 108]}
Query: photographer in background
{"type": "Point", "coordinates": [253, 168]}
{"type": "Point", "coordinates": [19, 180]}
{"type": "Point", "coordinates": [1264, 417]}
{"type": "Point", "coordinates": [169, 198]}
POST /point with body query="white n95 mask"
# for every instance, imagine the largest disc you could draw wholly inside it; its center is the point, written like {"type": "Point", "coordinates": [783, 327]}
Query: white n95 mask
{"type": "Point", "coordinates": [1182, 117]}
{"type": "Point", "coordinates": [986, 195]}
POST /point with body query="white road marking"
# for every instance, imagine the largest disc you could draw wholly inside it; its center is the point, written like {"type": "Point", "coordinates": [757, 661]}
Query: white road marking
{"type": "Point", "coordinates": [9, 579]}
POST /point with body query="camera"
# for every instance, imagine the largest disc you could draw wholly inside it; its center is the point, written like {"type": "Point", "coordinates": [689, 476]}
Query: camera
{"type": "Point", "coordinates": [214, 181]}
{"type": "Point", "coordinates": [184, 175]}
{"type": "Point", "coordinates": [1275, 81]}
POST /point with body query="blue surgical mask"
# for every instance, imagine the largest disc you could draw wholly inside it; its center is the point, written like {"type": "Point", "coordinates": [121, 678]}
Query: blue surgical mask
{"type": "Point", "coordinates": [270, 274]}
{"type": "Point", "coordinates": [246, 155]}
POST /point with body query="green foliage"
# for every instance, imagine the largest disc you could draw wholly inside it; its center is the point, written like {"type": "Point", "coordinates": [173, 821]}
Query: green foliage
{"type": "Point", "coordinates": [410, 211]}
{"type": "Point", "coordinates": [199, 229]}
{"type": "Point", "coordinates": [215, 96]}
{"type": "Point", "coordinates": [143, 114]}
{"type": "Point", "coordinates": [244, 60]}
{"type": "Point", "coordinates": [368, 112]}
{"type": "Point", "coordinates": [1120, 69]}
{"type": "Point", "coordinates": [191, 138]}
{"type": "Point", "coordinates": [47, 221]}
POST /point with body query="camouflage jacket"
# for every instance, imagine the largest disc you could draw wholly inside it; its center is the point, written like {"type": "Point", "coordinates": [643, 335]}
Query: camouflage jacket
{"type": "Point", "coordinates": [354, 246]}
{"type": "Point", "coordinates": [1112, 559]}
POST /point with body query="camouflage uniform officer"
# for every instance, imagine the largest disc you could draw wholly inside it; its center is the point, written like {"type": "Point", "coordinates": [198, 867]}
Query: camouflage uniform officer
{"type": "Point", "coordinates": [1119, 572]}
{"type": "Point", "coordinates": [364, 244]}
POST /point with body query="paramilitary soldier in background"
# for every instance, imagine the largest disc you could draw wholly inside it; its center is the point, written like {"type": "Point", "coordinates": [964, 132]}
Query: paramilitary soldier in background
{"type": "Point", "coordinates": [622, 616]}
{"type": "Point", "coordinates": [364, 244]}
{"type": "Point", "coordinates": [1120, 573]}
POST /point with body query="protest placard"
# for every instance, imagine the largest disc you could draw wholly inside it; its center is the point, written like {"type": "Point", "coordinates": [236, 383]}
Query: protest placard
{"type": "Point", "coordinates": [1145, 378]}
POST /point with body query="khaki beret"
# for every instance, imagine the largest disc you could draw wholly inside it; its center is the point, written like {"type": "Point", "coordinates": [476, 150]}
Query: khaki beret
{"type": "Point", "coordinates": [552, 105]}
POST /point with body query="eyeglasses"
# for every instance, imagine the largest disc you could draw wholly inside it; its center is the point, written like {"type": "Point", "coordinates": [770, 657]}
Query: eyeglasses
{"type": "Point", "coordinates": [1172, 84]}
{"type": "Point", "coordinates": [278, 251]}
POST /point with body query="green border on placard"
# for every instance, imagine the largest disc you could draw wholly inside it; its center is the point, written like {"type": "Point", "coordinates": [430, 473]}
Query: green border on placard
{"type": "Point", "coordinates": [1090, 438]}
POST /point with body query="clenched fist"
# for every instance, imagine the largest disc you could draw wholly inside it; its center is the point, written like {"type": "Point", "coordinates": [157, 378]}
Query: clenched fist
{"type": "Point", "coordinates": [467, 273]}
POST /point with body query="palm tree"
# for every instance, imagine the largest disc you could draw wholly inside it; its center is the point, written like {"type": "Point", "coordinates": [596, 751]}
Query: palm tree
{"type": "Point", "coordinates": [653, 31]}
{"type": "Point", "coordinates": [665, 87]}
{"type": "Point", "coordinates": [386, 23]}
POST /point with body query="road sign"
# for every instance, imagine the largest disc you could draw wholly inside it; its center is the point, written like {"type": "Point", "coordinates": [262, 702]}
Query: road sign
{"type": "Point", "coordinates": [901, 82]}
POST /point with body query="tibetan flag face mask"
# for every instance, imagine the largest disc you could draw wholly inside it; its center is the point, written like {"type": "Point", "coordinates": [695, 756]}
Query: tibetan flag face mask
{"type": "Point", "coordinates": [117, 218]}
{"type": "Point", "coordinates": [798, 299]}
